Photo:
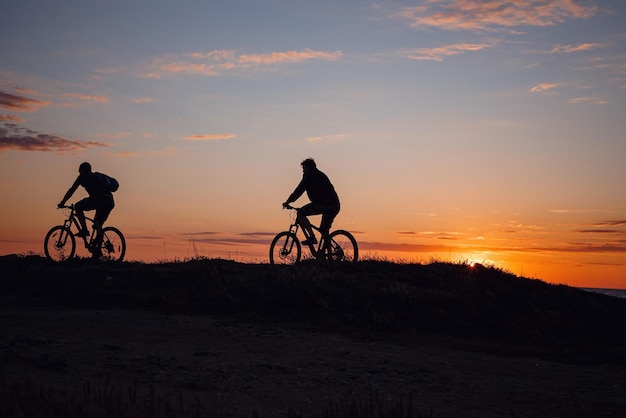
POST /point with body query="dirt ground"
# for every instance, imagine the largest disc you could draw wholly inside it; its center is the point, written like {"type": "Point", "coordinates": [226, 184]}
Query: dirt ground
{"type": "Point", "coordinates": [270, 367]}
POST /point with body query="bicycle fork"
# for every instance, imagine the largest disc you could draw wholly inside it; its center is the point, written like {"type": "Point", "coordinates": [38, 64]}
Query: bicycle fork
{"type": "Point", "coordinates": [288, 246]}
{"type": "Point", "coordinates": [65, 233]}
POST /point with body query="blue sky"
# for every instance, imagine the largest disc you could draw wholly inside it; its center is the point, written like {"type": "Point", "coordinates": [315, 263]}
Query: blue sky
{"type": "Point", "coordinates": [487, 130]}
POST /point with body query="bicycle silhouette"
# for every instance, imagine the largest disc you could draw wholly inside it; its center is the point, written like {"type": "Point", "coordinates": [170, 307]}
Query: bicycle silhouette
{"type": "Point", "coordinates": [287, 249]}
{"type": "Point", "coordinates": [60, 241]}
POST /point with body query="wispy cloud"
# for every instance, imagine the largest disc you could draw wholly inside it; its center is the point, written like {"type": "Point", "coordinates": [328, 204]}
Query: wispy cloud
{"type": "Point", "coordinates": [209, 137]}
{"type": "Point", "coordinates": [590, 248]}
{"type": "Point", "coordinates": [335, 137]}
{"type": "Point", "coordinates": [142, 100]}
{"type": "Point", "coordinates": [594, 100]}
{"type": "Point", "coordinates": [616, 222]}
{"type": "Point", "coordinates": [236, 240]}
{"type": "Point", "coordinates": [257, 234]}
{"type": "Point", "coordinates": [87, 97]}
{"type": "Point", "coordinates": [439, 53]}
{"type": "Point", "coordinates": [13, 137]}
{"type": "Point", "coordinates": [20, 103]}
{"type": "Point", "coordinates": [544, 87]}
{"type": "Point", "coordinates": [481, 15]}
{"type": "Point", "coordinates": [218, 62]}
{"type": "Point", "coordinates": [600, 231]}
{"type": "Point", "coordinates": [400, 247]}
{"type": "Point", "coordinates": [566, 49]}
{"type": "Point", "coordinates": [573, 211]}
{"type": "Point", "coordinates": [288, 57]}
{"type": "Point", "coordinates": [74, 100]}
{"type": "Point", "coordinates": [443, 235]}
{"type": "Point", "coordinates": [11, 118]}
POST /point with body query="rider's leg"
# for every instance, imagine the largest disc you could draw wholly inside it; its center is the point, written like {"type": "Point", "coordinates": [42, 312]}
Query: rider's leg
{"type": "Point", "coordinates": [327, 221]}
{"type": "Point", "coordinates": [308, 210]}
{"type": "Point", "coordinates": [102, 213]}
{"type": "Point", "coordinates": [81, 207]}
{"type": "Point", "coordinates": [305, 224]}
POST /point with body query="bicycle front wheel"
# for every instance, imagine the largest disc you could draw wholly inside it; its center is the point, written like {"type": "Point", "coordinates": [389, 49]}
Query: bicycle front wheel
{"type": "Point", "coordinates": [113, 244]}
{"type": "Point", "coordinates": [285, 249]}
{"type": "Point", "coordinates": [343, 247]}
{"type": "Point", "coordinates": [59, 244]}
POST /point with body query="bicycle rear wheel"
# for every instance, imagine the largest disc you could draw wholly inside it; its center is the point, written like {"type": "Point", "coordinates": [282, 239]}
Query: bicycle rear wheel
{"type": "Point", "coordinates": [343, 247]}
{"type": "Point", "coordinates": [113, 244]}
{"type": "Point", "coordinates": [59, 244]}
{"type": "Point", "coordinates": [285, 249]}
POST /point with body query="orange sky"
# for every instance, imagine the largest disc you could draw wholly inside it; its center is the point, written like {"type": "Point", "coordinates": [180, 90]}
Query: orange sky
{"type": "Point", "coordinates": [452, 130]}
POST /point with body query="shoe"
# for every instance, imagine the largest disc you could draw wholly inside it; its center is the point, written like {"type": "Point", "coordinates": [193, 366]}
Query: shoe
{"type": "Point", "coordinates": [310, 241]}
{"type": "Point", "coordinates": [83, 233]}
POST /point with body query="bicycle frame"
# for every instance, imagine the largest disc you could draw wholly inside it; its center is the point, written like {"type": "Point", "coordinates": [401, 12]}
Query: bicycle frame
{"type": "Point", "coordinates": [295, 226]}
{"type": "Point", "coordinates": [315, 252]}
{"type": "Point", "coordinates": [72, 219]}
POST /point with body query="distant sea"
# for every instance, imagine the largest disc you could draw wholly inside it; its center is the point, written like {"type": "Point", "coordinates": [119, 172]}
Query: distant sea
{"type": "Point", "coordinates": [618, 293]}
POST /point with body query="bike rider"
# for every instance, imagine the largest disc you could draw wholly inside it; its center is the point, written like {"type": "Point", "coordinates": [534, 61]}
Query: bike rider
{"type": "Point", "coordinates": [99, 200]}
{"type": "Point", "coordinates": [323, 197]}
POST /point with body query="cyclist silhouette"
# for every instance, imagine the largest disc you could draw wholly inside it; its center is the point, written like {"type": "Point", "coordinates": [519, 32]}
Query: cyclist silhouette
{"type": "Point", "coordinates": [100, 200]}
{"type": "Point", "coordinates": [323, 197]}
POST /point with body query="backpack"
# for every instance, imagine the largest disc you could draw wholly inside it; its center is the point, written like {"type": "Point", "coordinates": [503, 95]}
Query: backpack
{"type": "Point", "coordinates": [107, 183]}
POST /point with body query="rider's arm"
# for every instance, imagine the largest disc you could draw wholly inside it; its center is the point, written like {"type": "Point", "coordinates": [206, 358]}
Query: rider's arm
{"type": "Point", "coordinates": [296, 193]}
{"type": "Point", "coordinates": [71, 191]}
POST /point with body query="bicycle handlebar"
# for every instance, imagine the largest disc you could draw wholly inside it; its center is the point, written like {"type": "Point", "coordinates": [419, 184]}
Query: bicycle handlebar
{"type": "Point", "coordinates": [288, 206]}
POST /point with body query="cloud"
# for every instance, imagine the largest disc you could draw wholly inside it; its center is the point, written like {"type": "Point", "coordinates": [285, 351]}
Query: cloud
{"type": "Point", "coordinates": [544, 87]}
{"type": "Point", "coordinates": [438, 53]}
{"type": "Point", "coordinates": [21, 139]}
{"type": "Point", "coordinates": [398, 247]}
{"type": "Point", "coordinates": [288, 57]}
{"type": "Point", "coordinates": [595, 100]}
{"type": "Point", "coordinates": [20, 103]}
{"type": "Point", "coordinates": [11, 118]}
{"type": "Point", "coordinates": [43, 142]}
{"type": "Point", "coordinates": [566, 49]}
{"type": "Point", "coordinates": [78, 99]}
{"type": "Point", "coordinates": [335, 137]}
{"type": "Point", "coordinates": [142, 100]}
{"type": "Point", "coordinates": [443, 235]}
{"type": "Point", "coordinates": [617, 222]}
{"type": "Point", "coordinates": [568, 211]}
{"type": "Point", "coordinates": [255, 234]}
{"type": "Point", "coordinates": [600, 231]}
{"type": "Point", "coordinates": [235, 241]}
{"type": "Point", "coordinates": [209, 137]}
{"type": "Point", "coordinates": [218, 62]}
{"type": "Point", "coordinates": [481, 15]}
{"type": "Point", "coordinates": [87, 97]}
{"type": "Point", "coordinates": [590, 248]}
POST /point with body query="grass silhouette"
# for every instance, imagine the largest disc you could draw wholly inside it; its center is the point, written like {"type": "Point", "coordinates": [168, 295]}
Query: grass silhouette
{"type": "Point", "coordinates": [479, 307]}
